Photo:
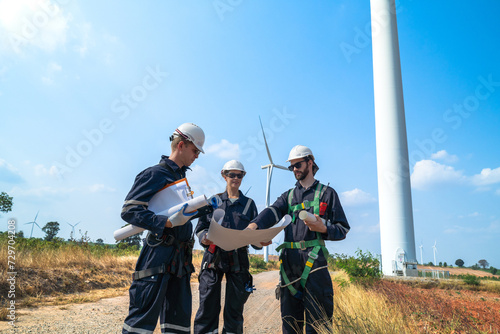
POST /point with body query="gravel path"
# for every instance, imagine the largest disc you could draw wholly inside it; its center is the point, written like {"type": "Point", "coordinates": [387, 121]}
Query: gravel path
{"type": "Point", "coordinates": [262, 313]}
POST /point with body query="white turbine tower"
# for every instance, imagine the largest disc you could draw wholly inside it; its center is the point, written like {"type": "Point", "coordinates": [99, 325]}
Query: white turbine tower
{"type": "Point", "coordinates": [269, 168]}
{"type": "Point", "coordinates": [395, 207]}
{"type": "Point", "coordinates": [421, 258]}
{"type": "Point", "coordinates": [434, 248]}
{"type": "Point", "coordinates": [33, 223]}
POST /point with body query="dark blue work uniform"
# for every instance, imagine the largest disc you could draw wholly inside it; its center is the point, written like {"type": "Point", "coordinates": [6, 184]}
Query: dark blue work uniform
{"type": "Point", "coordinates": [317, 297]}
{"type": "Point", "coordinates": [234, 264]}
{"type": "Point", "coordinates": [165, 293]}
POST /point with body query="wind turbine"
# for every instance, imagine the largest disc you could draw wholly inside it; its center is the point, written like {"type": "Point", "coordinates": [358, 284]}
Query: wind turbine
{"type": "Point", "coordinates": [269, 168]}
{"type": "Point", "coordinates": [435, 251]}
{"type": "Point", "coordinates": [73, 228]}
{"type": "Point", "coordinates": [33, 223]}
{"type": "Point", "coordinates": [421, 258]}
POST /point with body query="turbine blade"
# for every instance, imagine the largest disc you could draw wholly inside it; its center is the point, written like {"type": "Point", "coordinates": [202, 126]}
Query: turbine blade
{"type": "Point", "coordinates": [36, 215]}
{"type": "Point", "coordinates": [280, 167]}
{"type": "Point", "coordinates": [248, 190]}
{"type": "Point", "coordinates": [265, 142]}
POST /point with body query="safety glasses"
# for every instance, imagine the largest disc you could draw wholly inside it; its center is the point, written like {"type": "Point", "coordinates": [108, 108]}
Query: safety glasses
{"type": "Point", "coordinates": [233, 175]}
{"type": "Point", "coordinates": [297, 165]}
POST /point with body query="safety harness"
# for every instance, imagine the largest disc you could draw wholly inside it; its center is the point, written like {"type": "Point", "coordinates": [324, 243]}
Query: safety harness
{"type": "Point", "coordinates": [181, 263]}
{"type": "Point", "coordinates": [317, 244]}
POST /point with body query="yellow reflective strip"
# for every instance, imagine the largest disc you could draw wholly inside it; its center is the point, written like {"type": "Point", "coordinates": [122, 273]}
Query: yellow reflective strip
{"type": "Point", "coordinates": [309, 264]}
{"type": "Point", "coordinates": [303, 207]}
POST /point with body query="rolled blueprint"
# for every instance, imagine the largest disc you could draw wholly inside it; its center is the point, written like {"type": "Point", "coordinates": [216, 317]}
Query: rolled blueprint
{"type": "Point", "coordinates": [217, 216]}
{"type": "Point", "coordinates": [192, 205]}
{"type": "Point", "coordinates": [308, 217]}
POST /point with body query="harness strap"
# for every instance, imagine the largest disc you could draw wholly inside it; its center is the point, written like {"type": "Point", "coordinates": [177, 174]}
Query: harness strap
{"type": "Point", "coordinates": [180, 264]}
{"type": "Point", "coordinates": [149, 272]}
{"type": "Point", "coordinates": [316, 244]}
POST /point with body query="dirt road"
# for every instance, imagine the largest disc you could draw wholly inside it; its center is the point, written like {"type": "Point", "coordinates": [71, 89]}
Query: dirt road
{"type": "Point", "coordinates": [262, 314]}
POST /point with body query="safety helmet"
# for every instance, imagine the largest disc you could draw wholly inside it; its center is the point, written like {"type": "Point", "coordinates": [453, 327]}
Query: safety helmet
{"type": "Point", "coordinates": [233, 165]}
{"type": "Point", "coordinates": [300, 151]}
{"type": "Point", "coordinates": [191, 132]}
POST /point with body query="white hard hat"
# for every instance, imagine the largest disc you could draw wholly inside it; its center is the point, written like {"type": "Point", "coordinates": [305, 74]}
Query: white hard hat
{"type": "Point", "coordinates": [300, 151]}
{"type": "Point", "coordinates": [193, 133]}
{"type": "Point", "coordinates": [233, 165]}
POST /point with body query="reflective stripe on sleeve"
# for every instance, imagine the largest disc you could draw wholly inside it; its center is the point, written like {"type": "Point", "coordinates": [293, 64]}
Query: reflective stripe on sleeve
{"type": "Point", "coordinates": [247, 207]}
{"type": "Point", "coordinates": [127, 205]}
{"type": "Point", "coordinates": [342, 227]}
{"type": "Point", "coordinates": [275, 213]}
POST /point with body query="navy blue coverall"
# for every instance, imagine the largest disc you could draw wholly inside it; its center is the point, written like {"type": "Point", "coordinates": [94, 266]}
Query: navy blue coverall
{"type": "Point", "coordinates": [217, 262]}
{"type": "Point", "coordinates": [317, 297]}
{"type": "Point", "coordinates": [167, 294]}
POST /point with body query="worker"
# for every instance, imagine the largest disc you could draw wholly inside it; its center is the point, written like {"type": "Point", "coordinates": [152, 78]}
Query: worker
{"type": "Point", "coordinates": [161, 281]}
{"type": "Point", "coordinates": [305, 290]}
{"type": "Point", "coordinates": [239, 211]}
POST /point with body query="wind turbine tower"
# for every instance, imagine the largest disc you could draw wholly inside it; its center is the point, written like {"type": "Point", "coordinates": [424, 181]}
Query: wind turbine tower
{"type": "Point", "coordinates": [395, 205]}
{"type": "Point", "coordinates": [33, 223]}
{"type": "Point", "coordinates": [269, 168]}
{"type": "Point", "coordinates": [434, 249]}
{"type": "Point", "coordinates": [421, 258]}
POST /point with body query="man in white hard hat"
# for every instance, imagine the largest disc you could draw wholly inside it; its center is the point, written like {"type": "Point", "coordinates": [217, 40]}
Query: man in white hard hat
{"type": "Point", "coordinates": [239, 211]}
{"type": "Point", "coordinates": [306, 291]}
{"type": "Point", "coordinates": [161, 283]}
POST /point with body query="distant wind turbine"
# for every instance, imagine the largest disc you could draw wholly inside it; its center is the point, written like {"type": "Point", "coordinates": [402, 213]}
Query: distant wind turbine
{"type": "Point", "coordinates": [33, 223]}
{"type": "Point", "coordinates": [421, 258]}
{"type": "Point", "coordinates": [73, 228]}
{"type": "Point", "coordinates": [269, 168]}
{"type": "Point", "coordinates": [434, 248]}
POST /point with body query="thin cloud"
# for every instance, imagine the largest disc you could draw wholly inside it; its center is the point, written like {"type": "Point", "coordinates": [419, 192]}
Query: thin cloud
{"type": "Point", "coordinates": [356, 197]}
{"type": "Point", "coordinates": [427, 174]}
{"type": "Point", "coordinates": [52, 69]}
{"type": "Point", "coordinates": [9, 173]}
{"type": "Point", "coordinates": [41, 170]}
{"type": "Point", "coordinates": [225, 150]}
{"type": "Point", "coordinates": [28, 23]}
{"type": "Point", "coordinates": [444, 156]}
{"type": "Point", "coordinates": [97, 188]}
{"type": "Point", "coordinates": [487, 176]}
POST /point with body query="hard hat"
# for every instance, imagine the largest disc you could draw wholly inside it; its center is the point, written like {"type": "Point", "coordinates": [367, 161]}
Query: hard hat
{"type": "Point", "coordinates": [193, 133]}
{"type": "Point", "coordinates": [300, 151]}
{"type": "Point", "coordinates": [233, 165]}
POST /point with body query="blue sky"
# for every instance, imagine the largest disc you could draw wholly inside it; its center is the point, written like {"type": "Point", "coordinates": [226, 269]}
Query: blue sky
{"type": "Point", "coordinates": [90, 92]}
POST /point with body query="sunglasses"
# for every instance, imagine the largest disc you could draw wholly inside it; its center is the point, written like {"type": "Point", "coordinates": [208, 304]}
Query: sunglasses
{"type": "Point", "coordinates": [297, 165]}
{"type": "Point", "coordinates": [233, 175]}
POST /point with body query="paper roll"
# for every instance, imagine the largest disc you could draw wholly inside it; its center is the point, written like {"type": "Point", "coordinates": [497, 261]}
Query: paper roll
{"type": "Point", "coordinates": [308, 217]}
{"type": "Point", "coordinates": [192, 205]}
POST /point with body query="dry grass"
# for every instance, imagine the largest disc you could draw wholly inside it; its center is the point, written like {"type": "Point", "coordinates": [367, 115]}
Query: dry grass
{"type": "Point", "coordinates": [420, 306]}
{"type": "Point", "coordinates": [61, 273]}
{"type": "Point", "coordinates": [358, 310]}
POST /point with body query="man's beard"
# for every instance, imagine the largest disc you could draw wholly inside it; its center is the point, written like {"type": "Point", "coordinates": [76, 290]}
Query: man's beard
{"type": "Point", "coordinates": [302, 175]}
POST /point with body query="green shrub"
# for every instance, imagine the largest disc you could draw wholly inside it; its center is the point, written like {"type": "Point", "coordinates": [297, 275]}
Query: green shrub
{"type": "Point", "coordinates": [364, 266]}
{"type": "Point", "coordinates": [257, 262]}
{"type": "Point", "coordinates": [471, 279]}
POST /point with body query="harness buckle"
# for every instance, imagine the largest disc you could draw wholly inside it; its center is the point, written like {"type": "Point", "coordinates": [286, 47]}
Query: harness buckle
{"type": "Point", "coordinates": [168, 239]}
{"type": "Point", "coordinates": [302, 244]}
{"type": "Point", "coordinates": [313, 255]}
